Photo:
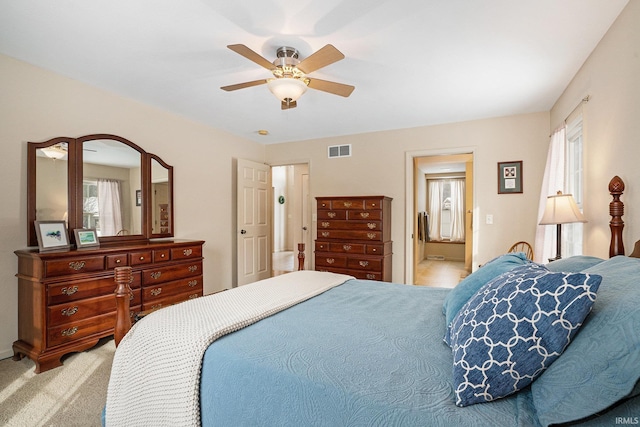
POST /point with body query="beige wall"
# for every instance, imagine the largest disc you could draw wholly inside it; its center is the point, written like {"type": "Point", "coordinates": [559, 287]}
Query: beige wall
{"type": "Point", "coordinates": [37, 105]}
{"type": "Point", "coordinates": [611, 77]}
{"type": "Point", "coordinates": [377, 167]}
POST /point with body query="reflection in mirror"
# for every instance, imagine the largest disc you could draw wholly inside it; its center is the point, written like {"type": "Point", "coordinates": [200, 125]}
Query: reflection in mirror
{"type": "Point", "coordinates": [160, 199]}
{"type": "Point", "coordinates": [51, 181]}
{"type": "Point", "coordinates": [111, 176]}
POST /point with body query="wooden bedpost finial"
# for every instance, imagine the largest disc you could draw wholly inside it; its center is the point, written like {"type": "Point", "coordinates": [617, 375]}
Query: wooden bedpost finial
{"type": "Point", "coordinates": [123, 278]}
{"type": "Point", "coordinates": [616, 210]}
{"type": "Point", "coordinates": [300, 256]}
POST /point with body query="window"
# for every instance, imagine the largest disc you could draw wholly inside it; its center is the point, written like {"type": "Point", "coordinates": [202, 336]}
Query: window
{"type": "Point", "coordinates": [90, 214]}
{"type": "Point", "coordinates": [572, 233]}
{"type": "Point", "coordinates": [446, 209]}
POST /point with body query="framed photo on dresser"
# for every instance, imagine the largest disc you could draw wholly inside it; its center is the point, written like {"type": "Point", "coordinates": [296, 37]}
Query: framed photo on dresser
{"type": "Point", "coordinates": [52, 235]}
{"type": "Point", "coordinates": [86, 238]}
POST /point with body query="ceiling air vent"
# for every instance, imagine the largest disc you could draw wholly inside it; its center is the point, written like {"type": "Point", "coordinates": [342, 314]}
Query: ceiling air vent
{"type": "Point", "coordinates": [340, 151]}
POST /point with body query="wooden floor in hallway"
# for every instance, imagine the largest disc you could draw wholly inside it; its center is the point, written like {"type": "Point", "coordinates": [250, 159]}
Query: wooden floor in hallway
{"type": "Point", "coordinates": [438, 273]}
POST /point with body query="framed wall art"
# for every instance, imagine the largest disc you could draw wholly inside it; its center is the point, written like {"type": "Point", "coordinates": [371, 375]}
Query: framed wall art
{"type": "Point", "coordinates": [510, 177]}
{"type": "Point", "coordinates": [86, 238]}
{"type": "Point", "coordinates": [52, 235]}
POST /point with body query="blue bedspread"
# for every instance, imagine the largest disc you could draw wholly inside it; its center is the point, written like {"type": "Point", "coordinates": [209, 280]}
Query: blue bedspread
{"type": "Point", "coordinates": [363, 353]}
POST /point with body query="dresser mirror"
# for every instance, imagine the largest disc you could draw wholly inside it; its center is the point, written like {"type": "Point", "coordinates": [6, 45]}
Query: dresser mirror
{"type": "Point", "coordinates": [104, 182]}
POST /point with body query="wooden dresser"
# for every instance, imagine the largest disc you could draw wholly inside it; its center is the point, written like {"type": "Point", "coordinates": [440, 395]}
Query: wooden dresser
{"type": "Point", "coordinates": [66, 299]}
{"type": "Point", "coordinates": [354, 236]}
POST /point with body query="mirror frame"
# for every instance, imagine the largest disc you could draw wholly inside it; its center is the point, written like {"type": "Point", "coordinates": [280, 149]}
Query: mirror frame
{"type": "Point", "coordinates": [74, 188]}
{"type": "Point", "coordinates": [169, 168]}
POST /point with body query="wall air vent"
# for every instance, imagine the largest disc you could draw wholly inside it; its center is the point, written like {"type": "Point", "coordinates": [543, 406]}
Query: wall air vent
{"type": "Point", "coordinates": [339, 151]}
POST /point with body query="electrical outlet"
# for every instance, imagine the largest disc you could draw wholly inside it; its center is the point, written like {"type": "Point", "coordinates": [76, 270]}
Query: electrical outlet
{"type": "Point", "coordinates": [489, 219]}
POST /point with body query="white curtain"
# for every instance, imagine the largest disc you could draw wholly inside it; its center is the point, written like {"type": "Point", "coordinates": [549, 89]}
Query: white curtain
{"type": "Point", "coordinates": [109, 207]}
{"type": "Point", "coordinates": [553, 180]}
{"type": "Point", "coordinates": [435, 206]}
{"type": "Point", "coordinates": [457, 210]}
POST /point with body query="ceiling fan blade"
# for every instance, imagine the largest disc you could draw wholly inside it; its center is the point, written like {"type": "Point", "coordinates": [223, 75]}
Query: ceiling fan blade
{"type": "Point", "coordinates": [251, 55]}
{"type": "Point", "coordinates": [243, 85]}
{"type": "Point", "coordinates": [287, 105]}
{"type": "Point", "coordinates": [331, 87]}
{"type": "Point", "coordinates": [323, 57]}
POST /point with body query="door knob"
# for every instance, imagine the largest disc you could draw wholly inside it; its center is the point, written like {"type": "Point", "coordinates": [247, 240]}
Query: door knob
{"type": "Point", "coordinates": [304, 228]}
{"type": "Point", "coordinates": [243, 231]}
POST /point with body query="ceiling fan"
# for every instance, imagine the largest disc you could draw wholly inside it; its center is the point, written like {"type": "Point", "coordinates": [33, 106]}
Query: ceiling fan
{"type": "Point", "coordinates": [290, 78]}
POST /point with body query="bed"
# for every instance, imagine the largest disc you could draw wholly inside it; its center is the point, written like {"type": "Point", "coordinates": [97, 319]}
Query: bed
{"type": "Point", "coordinates": [311, 348]}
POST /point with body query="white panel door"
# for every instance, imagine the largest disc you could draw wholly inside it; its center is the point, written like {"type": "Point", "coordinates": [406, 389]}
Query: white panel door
{"type": "Point", "coordinates": [253, 222]}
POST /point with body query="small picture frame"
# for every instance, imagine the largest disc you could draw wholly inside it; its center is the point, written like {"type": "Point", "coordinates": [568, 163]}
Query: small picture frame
{"type": "Point", "coordinates": [510, 177]}
{"type": "Point", "coordinates": [138, 197]}
{"type": "Point", "coordinates": [86, 238]}
{"type": "Point", "coordinates": [52, 235]}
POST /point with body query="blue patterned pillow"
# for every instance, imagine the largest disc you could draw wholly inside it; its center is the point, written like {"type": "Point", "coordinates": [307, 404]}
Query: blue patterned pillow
{"type": "Point", "coordinates": [514, 327]}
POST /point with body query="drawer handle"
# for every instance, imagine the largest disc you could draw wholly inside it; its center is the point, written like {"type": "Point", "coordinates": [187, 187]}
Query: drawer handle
{"type": "Point", "coordinates": [131, 297]}
{"type": "Point", "coordinates": [156, 306]}
{"type": "Point", "coordinates": [193, 268]}
{"type": "Point", "coordinates": [372, 235]}
{"type": "Point", "coordinates": [331, 214]}
{"type": "Point", "coordinates": [141, 258]}
{"type": "Point", "coordinates": [325, 224]}
{"type": "Point", "coordinates": [371, 276]}
{"type": "Point", "coordinates": [363, 263]}
{"type": "Point", "coordinates": [70, 331]}
{"type": "Point", "coordinates": [69, 311]}
{"type": "Point", "coordinates": [76, 265]}
{"type": "Point", "coordinates": [330, 260]}
{"type": "Point", "coordinates": [156, 274]}
{"type": "Point", "coordinates": [325, 234]}
{"type": "Point", "coordinates": [374, 250]}
{"type": "Point", "coordinates": [371, 225]}
{"type": "Point", "coordinates": [347, 204]}
{"type": "Point", "coordinates": [187, 252]}
{"type": "Point", "coordinates": [346, 247]}
{"type": "Point", "coordinates": [70, 290]}
{"type": "Point", "coordinates": [161, 255]}
{"type": "Point", "coordinates": [324, 205]}
{"type": "Point", "coordinates": [156, 292]}
{"type": "Point", "coordinates": [192, 283]}
{"type": "Point", "coordinates": [364, 214]}
{"type": "Point", "coordinates": [193, 296]}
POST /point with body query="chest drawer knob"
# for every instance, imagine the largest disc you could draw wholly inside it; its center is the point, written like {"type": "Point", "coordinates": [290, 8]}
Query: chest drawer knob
{"type": "Point", "coordinates": [156, 292]}
{"type": "Point", "coordinates": [141, 258]}
{"type": "Point", "coordinates": [76, 265]}
{"type": "Point", "coordinates": [348, 204]}
{"type": "Point", "coordinates": [118, 261]}
{"type": "Point", "coordinates": [330, 260]}
{"type": "Point", "coordinates": [156, 306]}
{"type": "Point", "coordinates": [371, 225]}
{"type": "Point", "coordinates": [331, 214]}
{"type": "Point", "coordinates": [70, 331]}
{"type": "Point", "coordinates": [325, 224]}
{"type": "Point", "coordinates": [364, 263]}
{"type": "Point", "coordinates": [192, 283]}
{"type": "Point", "coordinates": [346, 247]}
{"type": "Point", "coordinates": [372, 235]}
{"type": "Point", "coordinates": [371, 276]}
{"type": "Point", "coordinates": [70, 290]}
{"type": "Point", "coordinates": [364, 214]}
{"type": "Point", "coordinates": [69, 311]}
{"type": "Point", "coordinates": [187, 252]}
{"type": "Point", "coordinates": [156, 274]}
{"type": "Point", "coordinates": [193, 268]}
{"type": "Point", "coordinates": [192, 296]}
{"type": "Point", "coordinates": [325, 234]}
{"type": "Point", "coordinates": [162, 256]}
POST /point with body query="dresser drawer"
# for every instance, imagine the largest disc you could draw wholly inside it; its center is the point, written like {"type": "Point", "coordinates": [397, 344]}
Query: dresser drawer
{"type": "Point", "coordinates": [348, 248]}
{"type": "Point", "coordinates": [374, 236]}
{"type": "Point", "coordinates": [161, 255]}
{"type": "Point", "coordinates": [373, 204]}
{"type": "Point", "coordinates": [331, 260]}
{"type": "Point", "coordinates": [75, 330]}
{"type": "Point", "coordinates": [174, 272]}
{"type": "Point", "coordinates": [118, 260]}
{"type": "Point", "coordinates": [326, 214]}
{"type": "Point", "coordinates": [59, 293]}
{"type": "Point", "coordinates": [186, 252]}
{"type": "Point", "coordinates": [188, 285]}
{"type": "Point", "coordinates": [364, 215]}
{"type": "Point", "coordinates": [140, 258]}
{"type": "Point", "coordinates": [347, 204]}
{"type": "Point", "coordinates": [83, 309]}
{"type": "Point", "coordinates": [170, 300]}
{"type": "Point", "coordinates": [349, 225]}
{"type": "Point", "coordinates": [74, 266]}
{"type": "Point", "coordinates": [369, 264]}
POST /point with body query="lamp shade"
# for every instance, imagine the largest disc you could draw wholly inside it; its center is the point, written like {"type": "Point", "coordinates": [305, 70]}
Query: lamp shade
{"type": "Point", "coordinates": [561, 209]}
{"type": "Point", "coordinates": [287, 88]}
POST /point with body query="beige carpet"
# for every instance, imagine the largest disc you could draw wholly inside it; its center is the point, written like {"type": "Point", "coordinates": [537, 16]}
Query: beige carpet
{"type": "Point", "coordinates": [71, 395]}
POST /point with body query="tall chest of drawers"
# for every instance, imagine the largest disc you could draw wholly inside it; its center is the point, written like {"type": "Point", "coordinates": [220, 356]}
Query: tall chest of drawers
{"type": "Point", "coordinates": [354, 236]}
{"type": "Point", "coordinates": [66, 299]}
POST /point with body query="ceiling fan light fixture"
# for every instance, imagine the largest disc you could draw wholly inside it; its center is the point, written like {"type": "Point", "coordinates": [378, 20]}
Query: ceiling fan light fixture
{"type": "Point", "coordinates": [287, 88]}
{"type": "Point", "coordinates": [54, 152]}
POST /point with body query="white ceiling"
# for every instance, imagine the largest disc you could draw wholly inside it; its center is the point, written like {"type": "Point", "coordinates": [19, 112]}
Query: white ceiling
{"type": "Point", "coordinates": [413, 62]}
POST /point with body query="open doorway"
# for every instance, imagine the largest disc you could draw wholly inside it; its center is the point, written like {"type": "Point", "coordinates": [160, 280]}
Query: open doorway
{"type": "Point", "coordinates": [291, 216]}
{"type": "Point", "coordinates": [440, 205]}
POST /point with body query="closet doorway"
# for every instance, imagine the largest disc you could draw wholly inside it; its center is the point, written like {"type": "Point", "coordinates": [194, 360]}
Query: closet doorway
{"type": "Point", "coordinates": [291, 216]}
{"type": "Point", "coordinates": [440, 229]}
